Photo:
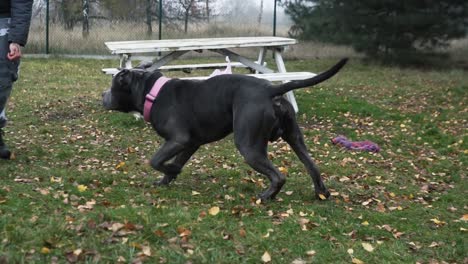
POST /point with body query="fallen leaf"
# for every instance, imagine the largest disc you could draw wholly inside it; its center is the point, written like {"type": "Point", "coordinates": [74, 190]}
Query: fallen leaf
{"type": "Point", "coordinates": [55, 179]}
{"type": "Point", "coordinates": [434, 244]}
{"type": "Point", "coordinates": [322, 197]}
{"type": "Point", "coordinates": [298, 261]}
{"type": "Point", "coordinates": [213, 210]}
{"type": "Point", "coordinates": [311, 253]}
{"type": "Point", "coordinates": [438, 222]}
{"type": "Point", "coordinates": [365, 223]}
{"type": "Point", "coordinates": [464, 217]}
{"type": "Point", "coordinates": [283, 170]}
{"type": "Point", "coordinates": [184, 232]}
{"type": "Point", "coordinates": [146, 250]}
{"type": "Point", "coordinates": [116, 227]}
{"type": "Point", "coordinates": [82, 188]}
{"type": "Point", "coordinates": [398, 234]}
{"type": "Point", "coordinates": [350, 251]}
{"type": "Point", "coordinates": [159, 233]}
{"type": "Point", "coordinates": [242, 232]}
{"type": "Point", "coordinates": [120, 165]}
{"type": "Point", "coordinates": [368, 247]}
{"type": "Point", "coordinates": [195, 193]}
{"type": "Point", "coordinates": [43, 191]}
{"type": "Point", "coordinates": [380, 208]}
{"type": "Point", "coordinates": [45, 250]}
{"type": "Point", "coordinates": [357, 261]}
{"type": "Point", "coordinates": [413, 246]}
{"type": "Point", "coordinates": [266, 257]}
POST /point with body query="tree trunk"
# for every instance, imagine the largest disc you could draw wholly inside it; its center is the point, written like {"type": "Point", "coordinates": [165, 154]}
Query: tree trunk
{"type": "Point", "coordinates": [187, 15]}
{"type": "Point", "coordinates": [186, 20]}
{"type": "Point", "coordinates": [149, 28]}
{"type": "Point", "coordinates": [260, 14]}
{"type": "Point", "coordinates": [85, 31]}
{"type": "Point", "coordinates": [208, 10]}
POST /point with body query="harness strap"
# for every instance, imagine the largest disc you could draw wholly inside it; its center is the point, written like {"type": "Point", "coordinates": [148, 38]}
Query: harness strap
{"type": "Point", "coordinates": [152, 95]}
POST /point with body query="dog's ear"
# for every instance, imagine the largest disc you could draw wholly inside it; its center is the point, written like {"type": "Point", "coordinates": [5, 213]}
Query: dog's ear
{"type": "Point", "coordinates": [124, 71]}
{"type": "Point", "coordinates": [144, 65]}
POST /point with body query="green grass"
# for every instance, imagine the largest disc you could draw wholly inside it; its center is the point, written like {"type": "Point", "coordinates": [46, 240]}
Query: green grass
{"type": "Point", "coordinates": [63, 141]}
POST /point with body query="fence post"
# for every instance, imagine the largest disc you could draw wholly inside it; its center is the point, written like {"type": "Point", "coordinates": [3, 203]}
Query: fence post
{"type": "Point", "coordinates": [160, 19]}
{"type": "Point", "coordinates": [160, 23]}
{"type": "Point", "coordinates": [47, 28]}
{"type": "Point", "coordinates": [274, 19]}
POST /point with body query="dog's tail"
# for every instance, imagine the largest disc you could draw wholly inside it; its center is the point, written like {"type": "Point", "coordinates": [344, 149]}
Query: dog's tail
{"type": "Point", "coordinates": [286, 87]}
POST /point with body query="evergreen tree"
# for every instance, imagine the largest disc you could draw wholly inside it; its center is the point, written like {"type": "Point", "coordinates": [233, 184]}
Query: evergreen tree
{"type": "Point", "coordinates": [390, 28]}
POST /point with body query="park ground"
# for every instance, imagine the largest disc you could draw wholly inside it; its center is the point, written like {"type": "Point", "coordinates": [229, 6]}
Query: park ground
{"type": "Point", "coordinates": [79, 188]}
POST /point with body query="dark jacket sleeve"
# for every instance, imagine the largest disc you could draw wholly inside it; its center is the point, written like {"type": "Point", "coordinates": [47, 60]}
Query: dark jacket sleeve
{"type": "Point", "coordinates": [21, 11]}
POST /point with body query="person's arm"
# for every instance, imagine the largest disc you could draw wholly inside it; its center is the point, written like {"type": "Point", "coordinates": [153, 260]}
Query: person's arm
{"type": "Point", "coordinates": [20, 20]}
{"type": "Point", "coordinates": [19, 26]}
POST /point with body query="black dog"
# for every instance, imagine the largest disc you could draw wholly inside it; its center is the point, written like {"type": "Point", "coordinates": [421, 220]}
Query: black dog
{"type": "Point", "coordinates": [188, 114]}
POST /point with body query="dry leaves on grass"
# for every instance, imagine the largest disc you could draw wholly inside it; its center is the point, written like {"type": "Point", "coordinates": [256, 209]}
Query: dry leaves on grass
{"type": "Point", "coordinates": [368, 247]}
{"type": "Point", "coordinates": [266, 258]}
{"type": "Point", "coordinates": [214, 210]}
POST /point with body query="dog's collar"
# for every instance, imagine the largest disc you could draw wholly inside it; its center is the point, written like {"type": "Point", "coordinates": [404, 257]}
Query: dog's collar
{"type": "Point", "coordinates": [152, 95]}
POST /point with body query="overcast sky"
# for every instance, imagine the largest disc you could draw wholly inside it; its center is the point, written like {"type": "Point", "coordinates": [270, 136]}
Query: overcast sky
{"type": "Point", "coordinates": [248, 10]}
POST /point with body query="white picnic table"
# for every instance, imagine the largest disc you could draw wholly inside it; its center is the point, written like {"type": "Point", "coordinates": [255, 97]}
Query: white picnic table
{"type": "Point", "coordinates": [174, 48]}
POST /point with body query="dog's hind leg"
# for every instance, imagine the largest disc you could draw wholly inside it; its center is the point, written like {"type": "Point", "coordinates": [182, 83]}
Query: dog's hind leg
{"type": "Point", "coordinates": [174, 167]}
{"type": "Point", "coordinates": [258, 161]}
{"type": "Point", "coordinates": [293, 136]}
{"type": "Point", "coordinates": [252, 129]}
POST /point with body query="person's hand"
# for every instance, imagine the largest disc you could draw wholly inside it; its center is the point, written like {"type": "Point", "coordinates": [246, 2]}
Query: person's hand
{"type": "Point", "coordinates": [15, 52]}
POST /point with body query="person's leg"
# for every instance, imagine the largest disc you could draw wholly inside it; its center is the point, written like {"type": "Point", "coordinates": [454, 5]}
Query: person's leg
{"type": "Point", "coordinates": [8, 74]}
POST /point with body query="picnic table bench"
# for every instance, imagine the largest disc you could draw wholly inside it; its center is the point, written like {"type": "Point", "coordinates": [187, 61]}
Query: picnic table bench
{"type": "Point", "coordinates": [178, 47]}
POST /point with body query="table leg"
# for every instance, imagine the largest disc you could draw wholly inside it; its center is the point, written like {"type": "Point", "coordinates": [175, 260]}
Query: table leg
{"type": "Point", "coordinates": [243, 60]}
{"type": "Point", "coordinates": [261, 57]}
{"type": "Point", "coordinates": [282, 68]}
{"type": "Point", "coordinates": [166, 59]}
{"type": "Point", "coordinates": [125, 61]}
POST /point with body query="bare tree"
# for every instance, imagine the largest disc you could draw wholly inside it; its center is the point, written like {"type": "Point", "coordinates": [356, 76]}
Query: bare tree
{"type": "Point", "coordinates": [85, 31]}
{"type": "Point", "coordinates": [208, 11]}
{"type": "Point", "coordinates": [149, 28]}
{"type": "Point", "coordinates": [260, 13]}
{"type": "Point", "coordinates": [189, 9]}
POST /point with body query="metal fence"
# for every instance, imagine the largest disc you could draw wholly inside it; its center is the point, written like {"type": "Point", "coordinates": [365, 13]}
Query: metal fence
{"type": "Point", "coordinates": [82, 26]}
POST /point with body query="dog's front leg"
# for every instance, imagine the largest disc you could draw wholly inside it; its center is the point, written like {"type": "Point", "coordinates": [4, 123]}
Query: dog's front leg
{"type": "Point", "coordinates": [173, 168]}
{"type": "Point", "coordinates": [168, 150]}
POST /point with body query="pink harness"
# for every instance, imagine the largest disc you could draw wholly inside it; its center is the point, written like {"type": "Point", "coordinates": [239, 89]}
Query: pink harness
{"type": "Point", "coordinates": [152, 95]}
{"type": "Point", "coordinates": [163, 80]}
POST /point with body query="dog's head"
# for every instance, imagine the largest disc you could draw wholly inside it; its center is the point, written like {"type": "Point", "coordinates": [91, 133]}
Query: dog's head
{"type": "Point", "coordinates": [128, 90]}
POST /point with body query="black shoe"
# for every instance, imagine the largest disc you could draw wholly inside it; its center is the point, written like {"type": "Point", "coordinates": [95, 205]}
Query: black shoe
{"type": "Point", "coordinates": [4, 151]}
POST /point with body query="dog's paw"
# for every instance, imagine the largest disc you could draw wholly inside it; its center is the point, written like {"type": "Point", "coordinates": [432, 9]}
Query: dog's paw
{"type": "Point", "coordinates": [264, 198]}
{"type": "Point", "coordinates": [5, 154]}
{"type": "Point", "coordinates": [166, 179]}
{"type": "Point", "coordinates": [160, 183]}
